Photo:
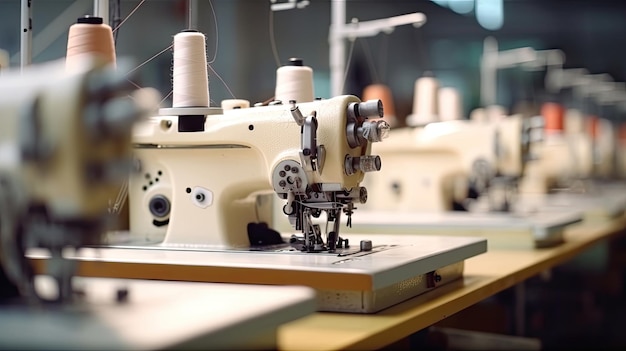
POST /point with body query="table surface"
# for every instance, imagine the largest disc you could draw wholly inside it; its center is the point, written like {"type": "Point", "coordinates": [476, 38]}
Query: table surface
{"type": "Point", "coordinates": [155, 315]}
{"type": "Point", "coordinates": [485, 275]}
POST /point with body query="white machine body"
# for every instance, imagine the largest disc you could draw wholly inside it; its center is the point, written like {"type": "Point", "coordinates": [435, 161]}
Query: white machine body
{"type": "Point", "coordinates": [203, 187]}
{"type": "Point", "coordinates": [428, 168]}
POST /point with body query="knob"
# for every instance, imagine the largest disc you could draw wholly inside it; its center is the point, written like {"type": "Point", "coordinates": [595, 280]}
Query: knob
{"type": "Point", "coordinates": [370, 163]}
{"type": "Point", "coordinates": [371, 108]}
{"type": "Point", "coordinates": [366, 245]}
{"type": "Point", "coordinates": [375, 131]}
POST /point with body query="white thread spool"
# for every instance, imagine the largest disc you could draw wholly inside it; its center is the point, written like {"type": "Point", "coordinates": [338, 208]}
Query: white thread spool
{"type": "Point", "coordinates": [424, 101]}
{"type": "Point", "coordinates": [231, 104]}
{"type": "Point", "coordinates": [574, 122]}
{"type": "Point", "coordinates": [449, 104]}
{"type": "Point", "coordinates": [495, 113]}
{"type": "Point", "coordinates": [294, 82]}
{"type": "Point", "coordinates": [479, 115]}
{"type": "Point", "coordinates": [190, 79]}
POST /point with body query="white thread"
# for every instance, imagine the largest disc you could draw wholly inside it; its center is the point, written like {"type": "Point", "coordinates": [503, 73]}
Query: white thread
{"type": "Point", "coordinates": [190, 79]}
{"type": "Point", "coordinates": [479, 115]}
{"type": "Point", "coordinates": [449, 104]}
{"type": "Point", "coordinates": [294, 83]}
{"type": "Point", "coordinates": [424, 102]}
{"type": "Point", "coordinates": [231, 104]}
{"type": "Point", "coordinates": [574, 122]}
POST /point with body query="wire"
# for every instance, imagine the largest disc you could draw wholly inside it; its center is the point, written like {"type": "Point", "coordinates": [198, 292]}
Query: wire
{"type": "Point", "coordinates": [370, 60]}
{"type": "Point", "coordinates": [217, 37]}
{"type": "Point", "coordinates": [347, 69]}
{"type": "Point", "coordinates": [150, 59]}
{"type": "Point", "coordinates": [115, 16]}
{"type": "Point", "coordinates": [127, 17]}
{"type": "Point", "coordinates": [273, 39]}
{"type": "Point", "coordinates": [222, 80]}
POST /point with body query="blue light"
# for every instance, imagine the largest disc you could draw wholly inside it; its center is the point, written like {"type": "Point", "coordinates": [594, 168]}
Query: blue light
{"type": "Point", "coordinates": [461, 6]}
{"type": "Point", "coordinates": [443, 3]}
{"type": "Point", "coordinates": [490, 14]}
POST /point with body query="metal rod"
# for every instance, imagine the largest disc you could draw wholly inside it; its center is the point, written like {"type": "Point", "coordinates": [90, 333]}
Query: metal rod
{"type": "Point", "coordinates": [101, 9]}
{"type": "Point", "coordinates": [26, 37]}
{"type": "Point", "coordinates": [337, 49]}
{"type": "Point", "coordinates": [192, 15]}
{"type": "Point", "coordinates": [339, 31]}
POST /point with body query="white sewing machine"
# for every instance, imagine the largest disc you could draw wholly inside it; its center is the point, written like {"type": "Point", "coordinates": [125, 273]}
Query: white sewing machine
{"type": "Point", "coordinates": [64, 148]}
{"type": "Point", "coordinates": [194, 206]}
{"type": "Point", "coordinates": [576, 157]}
{"type": "Point", "coordinates": [315, 163]}
{"type": "Point", "coordinates": [62, 152]}
{"type": "Point", "coordinates": [563, 157]}
{"type": "Point", "coordinates": [433, 168]}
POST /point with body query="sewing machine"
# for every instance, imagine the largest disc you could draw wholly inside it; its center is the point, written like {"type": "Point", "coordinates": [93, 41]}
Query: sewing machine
{"type": "Point", "coordinates": [445, 163]}
{"type": "Point", "coordinates": [315, 163]}
{"type": "Point", "coordinates": [63, 153]}
{"type": "Point", "coordinates": [209, 224]}
{"type": "Point", "coordinates": [64, 148]}
{"type": "Point", "coordinates": [564, 157]}
{"type": "Point", "coordinates": [577, 155]}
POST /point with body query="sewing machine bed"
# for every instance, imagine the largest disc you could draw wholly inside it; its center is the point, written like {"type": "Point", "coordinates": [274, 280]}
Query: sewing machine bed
{"type": "Point", "coordinates": [157, 316]}
{"type": "Point", "coordinates": [398, 267]}
{"type": "Point", "coordinates": [602, 205]}
{"type": "Point", "coordinates": [502, 230]}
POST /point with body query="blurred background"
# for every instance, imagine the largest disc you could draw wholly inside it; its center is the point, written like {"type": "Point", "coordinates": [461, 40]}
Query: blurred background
{"type": "Point", "coordinates": [239, 42]}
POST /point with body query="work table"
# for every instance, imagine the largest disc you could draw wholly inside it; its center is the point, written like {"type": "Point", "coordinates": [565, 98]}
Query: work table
{"type": "Point", "coordinates": [485, 275]}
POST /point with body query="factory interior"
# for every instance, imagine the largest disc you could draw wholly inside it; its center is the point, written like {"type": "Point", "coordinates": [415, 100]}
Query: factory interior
{"type": "Point", "coordinates": [312, 175]}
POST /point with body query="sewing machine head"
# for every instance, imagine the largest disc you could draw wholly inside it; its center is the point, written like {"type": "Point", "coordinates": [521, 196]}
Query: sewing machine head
{"type": "Point", "coordinates": [200, 170]}
{"type": "Point", "coordinates": [64, 149]}
{"type": "Point", "coordinates": [439, 166]}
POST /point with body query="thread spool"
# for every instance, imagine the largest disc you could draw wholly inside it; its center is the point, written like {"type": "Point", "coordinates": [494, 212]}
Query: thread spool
{"type": "Point", "coordinates": [383, 93]}
{"type": "Point", "coordinates": [495, 113]}
{"type": "Point", "coordinates": [479, 115]}
{"type": "Point", "coordinates": [593, 127]}
{"type": "Point", "coordinates": [294, 81]}
{"type": "Point", "coordinates": [424, 101]}
{"type": "Point", "coordinates": [4, 59]}
{"type": "Point", "coordinates": [621, 134]}
{"type": "Point", "coordinates": [553, 117]}
{"type": "Point", "coordinates": [231, 104]}
{"type": "Point", "coordinates": [89, 36]}
{"type": "Point", "coordinates": [574, 122]}
{"type": "Point", "coordinates": [190, 78]}
{"type": "Point", "coordinates": [449, 104]}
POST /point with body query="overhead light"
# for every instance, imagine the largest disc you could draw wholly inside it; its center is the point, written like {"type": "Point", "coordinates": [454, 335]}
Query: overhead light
{"type": "Point", "coordinates": [490, 14]}
{"type": "Point", "coordinates": [461, 7]}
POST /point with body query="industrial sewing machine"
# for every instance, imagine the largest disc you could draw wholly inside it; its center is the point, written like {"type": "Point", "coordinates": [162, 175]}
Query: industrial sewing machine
{"type": "Point", "coordinates": [450, 163]}
{"type": "Point", "coordinates": [63, 153]}
{"type": "Point", "coordinates": [564, 157]}
{"type": "Point", "coordinates": [577, 154]}
{"type": "Point", "coordinates": [64, 148]}
{"type": "Point", "coordinates": [195, 208]}
{"type": "Point", "coordinates": [314, 162]}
